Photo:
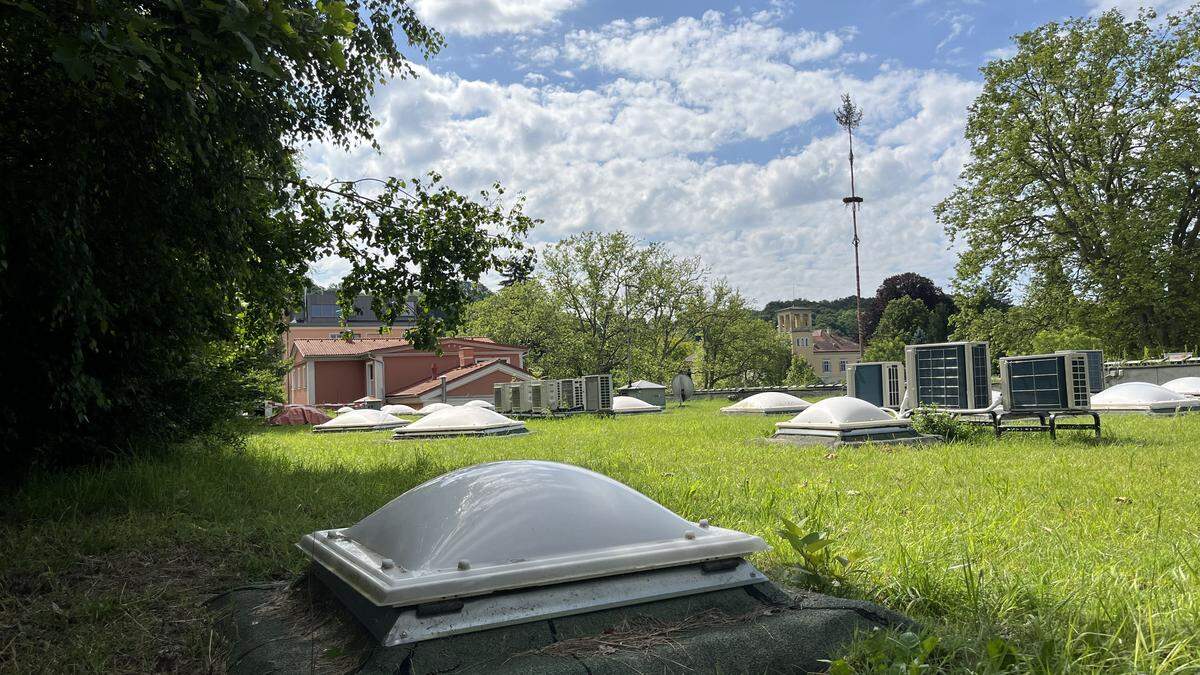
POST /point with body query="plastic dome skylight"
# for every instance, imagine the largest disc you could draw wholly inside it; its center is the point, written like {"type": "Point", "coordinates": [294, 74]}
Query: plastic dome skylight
{"type": "Point", "coordinates": [1143, 396]}
{"type": "Point", "coordinates": [767, 403]}
{"type": "Point", "coordinates": [365, 419]}
{"type": "Point", "coordinates": [479, 403]}
{"type": "Point", "coordinates": [345, 409]}
{"type": "Point", "coordinates": [843, 412]}
{"type": "Point", "coordinates": [628, 405]}
{"type": "Point", "coordinates": [432, 408]}
{"type": "Point", "coordinates": [462, 421]}
{"type": "Point", "coordinates": [539, 526]}
{"type": "Point", "coordinates": [1188, 386]}
{"type": "Point", "coordinates": [399, 409]}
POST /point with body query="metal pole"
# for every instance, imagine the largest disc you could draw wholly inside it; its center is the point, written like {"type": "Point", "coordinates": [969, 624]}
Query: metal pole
{"type": "Point", "coordinates": [857, 274]}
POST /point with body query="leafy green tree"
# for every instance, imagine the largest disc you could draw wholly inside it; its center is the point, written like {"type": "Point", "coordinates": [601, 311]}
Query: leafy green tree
{"type": "Point", "coordinates": [157, 217]}
{"type": "Point", "coordinates": [917, 287]}
{"type": "Point", "coordinates": [525, 314]}
{"type": "Point", "coordinates": [1085, 171]}
{"type": "Point", "coordinates": [1070, 337]}
{"type": "Point", "coordinates": [905, 318]}
{"type": "Point", "coordinates": [801, 374]}
{"type": "Point", "coordinates": [889, 348]}
{"type": "Point", "coordinates": [737, 348]}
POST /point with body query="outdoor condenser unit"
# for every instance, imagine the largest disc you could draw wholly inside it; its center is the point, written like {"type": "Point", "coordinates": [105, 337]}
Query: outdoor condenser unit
{"type": "Point", "coordinates": [1045, 382]}
{"type": "Point", "coordinates": [1095, 366]}
{"type": "Point", "coordinates": [577, 383]}
{"type": "Point", "coordinates": [516, 390]}
{"type": "Point", "coordinates": [597, 392]}
{"type": "Point", "coordinates": [498, 398]}
{"type": "Point", "coordinates": [543, 396]}
{"type": "Point", "coordinates": [954, 375]}
{"type": "Point", "coordinates": [566, 395]}
{"type": "Point", "coordinates": [880, 383]}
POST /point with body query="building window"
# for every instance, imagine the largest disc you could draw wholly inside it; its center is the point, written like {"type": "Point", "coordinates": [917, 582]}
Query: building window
{"type": "Point", "coordinates": [825, 368]}
{"type": "Point", "coordinates": [842, 365]}
{"type": "Point", "coordinates": [803, 342]}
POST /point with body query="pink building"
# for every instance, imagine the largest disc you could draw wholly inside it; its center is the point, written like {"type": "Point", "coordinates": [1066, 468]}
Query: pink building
{"type": "Point", "coordinates": [329, 371]}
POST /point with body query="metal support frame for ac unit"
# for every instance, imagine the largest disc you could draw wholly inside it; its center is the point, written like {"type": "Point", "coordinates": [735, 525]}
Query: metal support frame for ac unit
{"type": "Point", "coordinates": [1047, 421]}
{"type": "Point", "coordinates": [404, 625]}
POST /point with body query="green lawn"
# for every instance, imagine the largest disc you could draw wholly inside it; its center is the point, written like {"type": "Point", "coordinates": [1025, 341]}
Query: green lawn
{"type": "Point", "coordinates": [1046, 556]}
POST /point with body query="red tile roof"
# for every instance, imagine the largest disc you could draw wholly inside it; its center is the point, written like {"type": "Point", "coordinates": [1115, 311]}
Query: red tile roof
{"type": "Point", "coordinates": [363, 346]}
{"type": "Point", "coordinates": [452, 375]}
{"type": "Point", "coordinates": [826, 340]}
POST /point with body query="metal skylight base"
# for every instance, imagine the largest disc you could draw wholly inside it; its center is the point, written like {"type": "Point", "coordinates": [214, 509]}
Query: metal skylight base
{"type": "Point", "coordinates": [454, 433]}
{"type": "Point", "coordinates": [405, 625]}
{"type": "Point", "coordinates": [896, 435]}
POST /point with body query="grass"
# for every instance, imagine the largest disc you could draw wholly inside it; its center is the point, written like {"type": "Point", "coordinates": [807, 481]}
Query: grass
{"type": "Point", "coordinates": [1020, 554]}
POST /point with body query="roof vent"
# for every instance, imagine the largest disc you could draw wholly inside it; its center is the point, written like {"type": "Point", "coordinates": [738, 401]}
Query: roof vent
{"type": "Point", "coordinates": [365, 419]}
{"type": "Point", "coordinates": [628, 405]}
{"type": "Point", "coordinates": [845, 420]}
{"type": "Point", "coordinates": [399, 410]}
{"type": "Point", "coordinates": [511, 542]}
{"type": "Point", "coordinates": [462, 421]}
{"type": "Point", "coordinates": [480, 403]}
{"type": "Point", "coordinates": [767, 403]}
{"type": "Point", "coordinates": [432, 408]}
{"type": "Point", "coordinates": [1143, 397]}
{"type": "Point", "coordinates": [1188, 386]}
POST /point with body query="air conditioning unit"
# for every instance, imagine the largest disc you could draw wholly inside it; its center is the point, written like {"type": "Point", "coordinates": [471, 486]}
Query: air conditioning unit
{"type": "Point", "coordinates": [579, 398]}
{"type": "Point", "coordinates": [566, 395]}
{"type": "Point", "coordinates": [1095, 364]}
{"type": "Point", "coordinates": [597, 393]}
{"type": "Point", "coordinates": [520, 396]}
{"type": "Point", "coordinates": [953, 375]}
{"type": "Point", "coordinates": [502, 397]}
{"type": "Point", "coordinates": [1045, 382]}
{"type": "Point", "coordinates": [880, 383]}
{"type": "Point", "coordinates": [543, 396]}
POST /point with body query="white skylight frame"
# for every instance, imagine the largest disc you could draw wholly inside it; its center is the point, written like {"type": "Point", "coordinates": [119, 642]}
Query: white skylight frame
{"type": "Point", "coordinates": [799, 406]}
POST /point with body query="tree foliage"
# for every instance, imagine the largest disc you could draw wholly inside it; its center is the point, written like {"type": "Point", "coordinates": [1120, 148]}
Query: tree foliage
{"type": "Point", "coordinates": [917, 287]}
{"type": "Point", "coordinates": [159, 226]}
{"type": "Point", "coordinates": [1085, 173]}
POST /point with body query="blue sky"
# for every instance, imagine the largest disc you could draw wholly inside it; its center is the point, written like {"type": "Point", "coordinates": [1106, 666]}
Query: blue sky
{"type": "Point", "coordinates": [706, 125]}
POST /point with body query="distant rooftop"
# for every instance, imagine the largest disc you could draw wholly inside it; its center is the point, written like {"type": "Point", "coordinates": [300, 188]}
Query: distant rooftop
{"type": "Point", "coordinates": [321, 309]}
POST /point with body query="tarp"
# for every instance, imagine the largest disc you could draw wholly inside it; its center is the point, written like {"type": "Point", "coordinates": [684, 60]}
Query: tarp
{"type": "Point", "coordinates": [295, 413]}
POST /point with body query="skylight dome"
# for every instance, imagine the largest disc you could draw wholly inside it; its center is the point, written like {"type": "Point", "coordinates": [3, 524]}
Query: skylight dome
{"type": "Point", "coordinates": [345, 409]}
{"type": "Point", "coordinates": [365, 419]}
{"type": "Point", "coordinates": [767, 403]}
{"type": "Point", "coordinates": [480, 403]}
{"type": "Point", "coordinates": [432, 408]}
{"type": "Point", "coordinates": [398, 410]}
{"type": "Point", "coordinates": [559, 539]}
{"type": "Point", "coordinates": [1143, 397]}
{"type": "Point", "coordinates": [1188, 386]}
{"type": "Point", "coordinates": [846, 420]}
{"type": "Point", "coordinates": [628, 405]}
{"type": "Point", "coordinates": [462, 421]}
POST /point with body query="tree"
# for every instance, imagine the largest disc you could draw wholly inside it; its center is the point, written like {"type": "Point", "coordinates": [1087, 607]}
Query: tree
{"type": "Point", "coordinates": [801, 374]}
{"type": "Point", "coordinates": [737, 348]}
{"type": "Point", "coordinates": [908, 285]}
{"type": "Point", "coordinates": [525, 314]}
{"type": "Point", "coordinates": [885, 349]}
{"type": "Point", "coordinates": [905, 318]}
{"type": "Point", "coordinates": [158, 223]}
{"type": "Point", "coordinates": [1085, 166]}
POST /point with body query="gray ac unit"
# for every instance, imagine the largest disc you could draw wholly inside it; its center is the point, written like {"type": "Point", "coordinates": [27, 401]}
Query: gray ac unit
{"type": "Point", "coordinates": [953, 375]}
{"type": "Point", "coordinates": [879, 383]}
{"type": "Point", "coordinates": [503, 397]}
{"type": "Point", "coordinates": [1095, 365]}
{"type": "Point", "coordinates": [597, 393]}
{"type": "Point", "coordinates": [1045, 382]}
{"type": "Point", "coordinates": [520, 397]}
{"type": "Point", "coordinates": [578, 385]}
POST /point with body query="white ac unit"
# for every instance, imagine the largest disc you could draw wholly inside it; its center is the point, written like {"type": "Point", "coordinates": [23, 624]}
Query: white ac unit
{"type": "Point", "coordinates": [566, 395]}
{"type": "Point", "coordinates": [597, 393]}
{"type": "Point", "coordinates": [543, 396]}
{"type": "Point", "coordinates": [502, 397]}
{"type": "Point", "coordinates": [1045, 382]}
{"type": "Point", "coordinates": [1095, 361]}
{"type": "Point", "coordinates": [520, 396]}
{"type": "Point", "coordinates": [952, 375]}
{"type": "Point", "coordinates": [880, 383]}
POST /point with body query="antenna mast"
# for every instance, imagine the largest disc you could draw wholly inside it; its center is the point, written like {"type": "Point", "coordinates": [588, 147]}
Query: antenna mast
{"type": "Point", "coordinates": [849, 116]}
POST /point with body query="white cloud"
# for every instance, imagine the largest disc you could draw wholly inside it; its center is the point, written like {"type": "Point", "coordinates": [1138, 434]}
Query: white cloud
{"type": "Point", "coordinates": [642, 150]}
{"type": "Point", "coordinates": [1130, 7]}
{"type": "Point", "coordinates": [480, 17]}
{"type": "Point", "coordinates": [1005, 52]}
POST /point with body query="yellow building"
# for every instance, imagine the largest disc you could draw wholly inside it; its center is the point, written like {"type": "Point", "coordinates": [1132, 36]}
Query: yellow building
{"type": "Point", "coordinates": [827, 351]}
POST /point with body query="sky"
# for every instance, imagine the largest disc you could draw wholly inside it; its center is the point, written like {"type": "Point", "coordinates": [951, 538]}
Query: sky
{"type": "Point", "coordinates": [707, 126]}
